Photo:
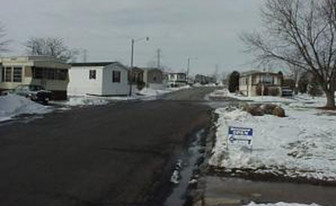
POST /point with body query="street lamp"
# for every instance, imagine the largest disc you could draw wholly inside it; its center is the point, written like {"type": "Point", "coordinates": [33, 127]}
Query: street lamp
{"type": "Point", "coordinates": [132, 56]}
{"type": "Point", "coordinates": [188, 66]}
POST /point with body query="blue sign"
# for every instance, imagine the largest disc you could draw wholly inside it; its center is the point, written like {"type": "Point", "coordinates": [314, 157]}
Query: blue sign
{"type": "Point", "coordinates": [240, 135]}
{"type": "Point", "coordinates": [241, 131]}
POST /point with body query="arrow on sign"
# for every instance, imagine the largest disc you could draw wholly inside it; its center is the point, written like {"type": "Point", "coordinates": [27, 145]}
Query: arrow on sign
{"type": "Point", "coordinates": [232, 139]}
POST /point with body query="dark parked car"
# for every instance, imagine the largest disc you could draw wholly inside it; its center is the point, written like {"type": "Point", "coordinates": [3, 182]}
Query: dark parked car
{"type": "Point", "coordinates": [34, 92]}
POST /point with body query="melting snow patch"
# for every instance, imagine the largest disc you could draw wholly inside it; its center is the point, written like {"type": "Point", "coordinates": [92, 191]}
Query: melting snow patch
{"type": "Point", "coordinates": [143, 94]}
{"type": "Point", "coordinates": [175, 177]}
{"type": "Point", "coordinates": [150, 92]}
{"type": "Point", "coordinates": [78, 101]}
{"type": "Point", "coordinates": [176, 174]}
{"type": "Point", "coordinates": [91, 100]}
{"type": "Point", "coordinates": [153, 92]}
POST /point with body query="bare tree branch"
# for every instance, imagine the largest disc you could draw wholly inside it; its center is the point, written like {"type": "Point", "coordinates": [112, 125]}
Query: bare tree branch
{"type": "Point", "coordinates": [3, 43]}
{"type": "Point", "coordinates": [50, 47]}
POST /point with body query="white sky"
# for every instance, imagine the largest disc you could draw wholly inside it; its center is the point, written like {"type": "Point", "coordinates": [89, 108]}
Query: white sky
{"type": "Point", "coordinates": [205, 30]}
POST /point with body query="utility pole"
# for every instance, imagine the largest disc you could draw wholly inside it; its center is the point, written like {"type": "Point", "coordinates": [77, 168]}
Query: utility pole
{"type": "Point", "coordinates": [188, 66]}
{"type": "Point", "coordinates": [132, 57]}
{"type": "Point", "coordinates": [158, 58]}
{"type": "Point", "coordinates": [131, 72]}
{"type": "Point", "coordinates": [215, 74]}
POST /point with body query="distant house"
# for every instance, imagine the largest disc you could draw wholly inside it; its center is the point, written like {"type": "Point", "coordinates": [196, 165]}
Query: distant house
{"type": "Point", "coordinates": [49, 72]}
{"type": "Point", "coordinates": [149, 77]}
{"type": "Point", "coordinates": [255, 83]}
{"type": "Point", "coordinates": [99, 79]}
{"type": "Point", "coordinates": [137, 74]}
{"type": "Point", "coordinates": [176, 79]}
{"type": "Point", "coordinates": [153, 77]}
{"type": "Point", "coordinates": [203, 79]}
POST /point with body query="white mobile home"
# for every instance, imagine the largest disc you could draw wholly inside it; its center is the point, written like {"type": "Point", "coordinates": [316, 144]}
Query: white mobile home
{"type": "Point", "coordinates": [177, 79]}
{"type": "Point", "coordinates": [98, 79]}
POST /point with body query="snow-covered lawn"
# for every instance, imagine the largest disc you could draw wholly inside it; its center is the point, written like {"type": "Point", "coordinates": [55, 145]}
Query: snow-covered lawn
{"type": "Point", "coordinates": [280, 204]}
{"type": "Point", "coordinates": [301, 145]}
{"type": "Point", "coordinates": [12, 105]}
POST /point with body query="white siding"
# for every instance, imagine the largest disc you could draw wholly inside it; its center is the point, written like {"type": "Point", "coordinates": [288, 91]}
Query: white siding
{"type": "Point", "coordinates": [80, 83]}
{"type": "Point", "coordinates": [115, 88]}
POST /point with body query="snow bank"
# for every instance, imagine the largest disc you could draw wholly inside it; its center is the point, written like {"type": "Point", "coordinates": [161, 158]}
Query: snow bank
{"type": "Point", "coordinates": [206, 85]}
{"type": "Point", "coordinates": [12, 105]}
{"type": "Point", "coordinates": [300, 145]}
{"type": "Point", "coordinates": [225, 93]}
{"type": "Point", "coordinates": [91, 100]}
{"type": "Point", "coordinates": [280, 204]}
{"type": "Point", "coordinates": [153, 92]}
{"type": "Point", "coordinates": [221, 93]}
{"type": "Point", "coordinates": [150, 92]}
{"type": "Point", "coordinates": [143, 94]}
{"type": "Point", "coordinates": [301, 100]}
{"type": "Point", "coordinates": [179, 88]}
{"type": "Point", "coordinates": [85, 100]}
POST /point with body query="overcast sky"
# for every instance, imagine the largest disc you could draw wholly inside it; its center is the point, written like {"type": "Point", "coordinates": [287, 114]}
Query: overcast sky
{"type": "Point", "coordinates": [204, 30]}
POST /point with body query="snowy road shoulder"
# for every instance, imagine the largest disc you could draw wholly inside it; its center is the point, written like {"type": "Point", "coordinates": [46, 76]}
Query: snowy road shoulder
{"type": "Point", "coordinates": [12, 105]}
{"type": "Point", "coordinates": [90, 100]}
{"type": "Point", "coordinates": [144, 94]}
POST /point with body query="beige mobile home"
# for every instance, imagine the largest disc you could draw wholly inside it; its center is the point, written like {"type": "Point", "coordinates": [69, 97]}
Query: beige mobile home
{"type": "Point", "coordinates": [255, 83]}
{"type": "Point", "coordinates": [49, 72]}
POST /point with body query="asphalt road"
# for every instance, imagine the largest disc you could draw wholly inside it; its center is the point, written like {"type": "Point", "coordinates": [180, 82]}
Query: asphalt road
{"type": "Point", "coordinates": [117, 154]}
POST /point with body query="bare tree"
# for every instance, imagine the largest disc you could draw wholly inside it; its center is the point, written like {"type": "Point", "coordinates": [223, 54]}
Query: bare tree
{"type": "Point", "coordinates": [300, 33]}
{"type": "Point", "coordinates": [3, 43]}
{"type": "Point", "coordinates": [50, 47]}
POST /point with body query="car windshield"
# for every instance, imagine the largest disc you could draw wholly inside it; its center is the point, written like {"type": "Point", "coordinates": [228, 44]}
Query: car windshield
{"type": "Point", "coordinates": [35, 88]}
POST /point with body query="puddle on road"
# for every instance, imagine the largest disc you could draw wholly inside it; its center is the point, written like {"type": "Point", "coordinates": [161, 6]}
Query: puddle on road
{"type": "Point", "coordinates": [188, 173]}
